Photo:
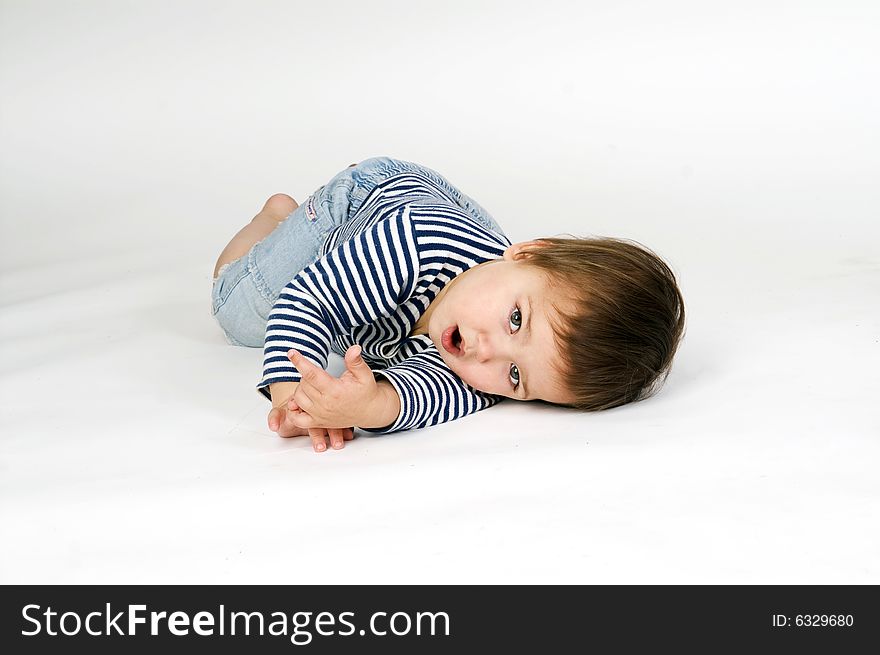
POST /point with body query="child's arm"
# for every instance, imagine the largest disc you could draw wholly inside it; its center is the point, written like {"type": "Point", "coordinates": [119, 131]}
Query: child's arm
{"type": "Point", "coordinates": [380, 268]}
{"type": "Point", "coordinates": [335, 294]}
{"type": "Point", "coordinates": [428, 393]}
{"type": "Point", "coordinates": [281, 391]}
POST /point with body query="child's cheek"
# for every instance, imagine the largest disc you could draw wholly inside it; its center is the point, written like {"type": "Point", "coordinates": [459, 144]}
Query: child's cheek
{"type": "Point", "coordinates": [475, 377]}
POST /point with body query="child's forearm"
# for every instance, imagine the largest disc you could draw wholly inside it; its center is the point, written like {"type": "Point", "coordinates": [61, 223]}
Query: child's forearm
{"type": "Point", "coordinates": [387, 408]}
{"type": "Point", "coordinates": [281, 391]}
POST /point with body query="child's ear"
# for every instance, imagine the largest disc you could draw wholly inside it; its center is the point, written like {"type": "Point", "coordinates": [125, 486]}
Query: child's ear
{"type": "Point", "coordinates": [514, 250]}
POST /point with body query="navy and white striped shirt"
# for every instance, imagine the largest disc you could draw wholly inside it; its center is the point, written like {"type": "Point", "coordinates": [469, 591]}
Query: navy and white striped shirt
{"type": "Point", "coordinates": [374, 278]}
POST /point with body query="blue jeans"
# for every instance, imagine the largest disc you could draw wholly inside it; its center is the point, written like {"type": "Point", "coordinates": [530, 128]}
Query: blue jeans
{"type": "Point", "coordinates": [246, 289]}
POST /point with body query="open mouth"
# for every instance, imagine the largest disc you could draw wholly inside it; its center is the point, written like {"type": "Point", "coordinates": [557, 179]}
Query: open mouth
{"type": "Point", "coordinates": [452, 340]}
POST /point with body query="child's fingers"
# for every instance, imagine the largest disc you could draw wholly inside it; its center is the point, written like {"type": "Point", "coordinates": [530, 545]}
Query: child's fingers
{"type": "Point", "coordinates": [281, 422]}
{"type": "Point", "coordinates": [312, 374]}
{"type": "Point", "coordinates": [348, 434]}
{"type": "Point", "coordinates": [337, 438]}
{"type": "Point", "coordinates": [291, 428]}
{"type": "Point", "coordinates": [305, 401]}
{"type": "Point", "coordinates": [276, 415]}
{"type": "Point", "coordinates": [318, 436]}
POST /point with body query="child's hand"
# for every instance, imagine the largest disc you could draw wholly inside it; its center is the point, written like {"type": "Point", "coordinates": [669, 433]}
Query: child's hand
{"type": "Point", "coordinates": [281, 421]}
{"type": "Point", "coordinates": [324, 401]}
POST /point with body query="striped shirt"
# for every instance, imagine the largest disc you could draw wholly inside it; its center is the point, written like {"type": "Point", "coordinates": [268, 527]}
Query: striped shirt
{"type": "Point", "coordinates": [375, 276]}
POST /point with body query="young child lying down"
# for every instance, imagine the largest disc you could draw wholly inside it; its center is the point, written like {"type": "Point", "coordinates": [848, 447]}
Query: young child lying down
{"type": "Point", "coordinates": [435, 312]}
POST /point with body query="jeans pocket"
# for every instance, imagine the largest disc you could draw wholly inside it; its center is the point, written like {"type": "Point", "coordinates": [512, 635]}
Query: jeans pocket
{"type": "Point", "coordinates": [231, 275]}
{"type": "Point", "coordinates": [216, 302]}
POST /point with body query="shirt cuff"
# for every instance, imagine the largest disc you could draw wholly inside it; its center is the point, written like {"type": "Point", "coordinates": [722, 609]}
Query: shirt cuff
{"type": "Point", "coordinates": [263, 385]}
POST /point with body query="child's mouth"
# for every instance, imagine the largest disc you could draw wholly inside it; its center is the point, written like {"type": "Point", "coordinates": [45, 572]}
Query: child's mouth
{"type": "Point", "coordinates": [451, 339]}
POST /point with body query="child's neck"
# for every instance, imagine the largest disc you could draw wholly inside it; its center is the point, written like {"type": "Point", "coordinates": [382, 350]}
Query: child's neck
{"type": "Point", "coordinates": [421, 326]}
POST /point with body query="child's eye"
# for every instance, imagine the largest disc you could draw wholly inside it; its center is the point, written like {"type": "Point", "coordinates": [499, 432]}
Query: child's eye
{"type": "Point", "coordinates": [516, 312]}
{"type": "Point", "coordinates": [516, 321]}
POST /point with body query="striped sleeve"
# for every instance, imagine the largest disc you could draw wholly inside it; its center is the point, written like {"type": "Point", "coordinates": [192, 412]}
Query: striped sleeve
{"type": "Point", "coordinates": [362, 279]}
{"type": "Point", "coordinates": [430, 393]}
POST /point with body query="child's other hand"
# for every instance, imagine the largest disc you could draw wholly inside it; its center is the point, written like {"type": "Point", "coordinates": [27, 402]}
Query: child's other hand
{"type": "Point", "coordinates": [338, 437]}
{"type": "Point", "coordinates": [281, 421]}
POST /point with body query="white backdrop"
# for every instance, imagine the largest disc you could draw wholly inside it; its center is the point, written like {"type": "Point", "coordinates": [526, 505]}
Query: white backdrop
{"type": "Point", "coordinates": [740, 141]}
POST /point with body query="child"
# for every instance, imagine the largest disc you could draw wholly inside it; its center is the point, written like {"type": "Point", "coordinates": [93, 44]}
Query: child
{"type": "Point", "coordinates": [435, 312]}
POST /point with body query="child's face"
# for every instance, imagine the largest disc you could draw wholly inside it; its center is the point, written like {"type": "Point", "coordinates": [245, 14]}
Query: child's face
{"type": "Point", "coordinates": [491, 304]}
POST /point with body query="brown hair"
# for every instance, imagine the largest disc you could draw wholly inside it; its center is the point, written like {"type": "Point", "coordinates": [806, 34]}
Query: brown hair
{"type": "Point", "coordinates": [627, 322]}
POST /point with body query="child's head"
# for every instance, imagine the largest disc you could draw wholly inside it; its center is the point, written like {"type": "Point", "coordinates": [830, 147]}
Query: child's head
{"type": "Point", "coordinates": [617, 319]}
{"type": "Point", "coordinates": [584, 323]}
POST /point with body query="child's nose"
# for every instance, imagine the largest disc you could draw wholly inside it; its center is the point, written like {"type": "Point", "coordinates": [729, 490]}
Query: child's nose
{"type": "Point", "coordinates": [484, 348]}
